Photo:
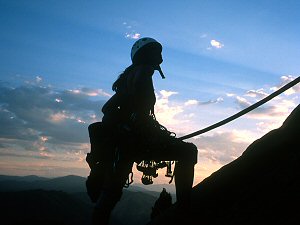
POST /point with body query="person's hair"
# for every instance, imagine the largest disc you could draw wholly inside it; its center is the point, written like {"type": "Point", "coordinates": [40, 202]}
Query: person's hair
{"type": "Point", "coordinates": [121, 83]}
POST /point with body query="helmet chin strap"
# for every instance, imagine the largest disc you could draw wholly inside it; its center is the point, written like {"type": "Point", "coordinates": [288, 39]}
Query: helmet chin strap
{"type": "Point", "coordinates": [160, 72]}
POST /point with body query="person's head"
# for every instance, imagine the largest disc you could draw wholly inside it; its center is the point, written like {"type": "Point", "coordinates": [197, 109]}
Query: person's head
{"type": "Point", "coordinates": [146, 51]}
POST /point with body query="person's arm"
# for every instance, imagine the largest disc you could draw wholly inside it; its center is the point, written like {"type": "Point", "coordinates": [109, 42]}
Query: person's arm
{"type": "Point", "coordinates": [142, 91]}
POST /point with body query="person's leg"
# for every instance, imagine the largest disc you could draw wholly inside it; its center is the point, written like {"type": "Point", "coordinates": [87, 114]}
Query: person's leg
{"type": "Point", "coordinates": [185, 155]}
{"type": "Point", "coordinates": [184, 174]}
{"type": "Point", "coordinates": [104, 206]}
{"type": "Point", "coordinates": [111, 193]}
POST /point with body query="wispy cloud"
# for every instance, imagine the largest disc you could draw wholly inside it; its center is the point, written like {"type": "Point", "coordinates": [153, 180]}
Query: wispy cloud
{"type": "Point", "coordinates": [196, 102]}
{"type": "Point", "coordinates": [274, 111]}
{"type": "Point", "coordinates": [223, 147]}
{"type": "Point", "coordinates": [218, 149]}
{"type": "Point", "coordinates": [131, 33]}
{"type": "Point", "coordinates": [242, 102]}
{"type": "Point", "coordinates": [260, 93]}
{"type": "Point", "coordinates": [216, 44]}
{"type": "Point", "coordinates": [165, 111]}
{"type": "Point", "coordinates": [284, 80]}
{"type": "Point", "coordinates": [191, 102]}
{"type": "Point", "coordinates": [213, 101]}
{"type": "Point", "coordinates": [90, 92]}
{"type": "Point", "coordinates": [38, 79]}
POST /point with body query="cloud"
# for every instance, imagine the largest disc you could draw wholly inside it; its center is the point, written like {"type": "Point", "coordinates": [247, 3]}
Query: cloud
{"type": "Point", "coordinates": [166, 111]}
{"type": "Point", "coordinates": [191, 102]}
{"type": "Point", "coordinates": [275, 110]}
{"type": "Point", "coordinates": [216, 44]}
{"type": "Point", "coordinates": [44, 115]}
{"type": "Point", "coordinates": [214, 101]}
{"type": "Point", "coordinates": [260, 93]}
{"type": "Point", "coordinates": [133, 35]}
{"type": "Point", "coordinates": [218, 149]}
{"type": "Point", "coordinates": [130, 31]}
{"type": "Point", "coordinates": [284, 80]}
{"type": "Point", "coordinates": [42, 127]}
{"type": "Point", "coordinates": [242, 102]}
{"type": "Point", "coordinates": [196, 102]}
{"type": "Point", "coordinates": [24, 155]}
{"type": "Point", "coordinates": [223, 147]}
{"type": "Point", "coordinates": [90, 92]}
{"type": "Point", "coordinates": [38, 79]}
{"type": "Point", "coordinates": [230, 94]}
{"type": "Point", "coordinates": [166, 94]}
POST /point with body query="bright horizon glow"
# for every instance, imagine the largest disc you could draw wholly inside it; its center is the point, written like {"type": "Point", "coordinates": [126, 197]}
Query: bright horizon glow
{"type": "Point", "coordinates": [59, 60]}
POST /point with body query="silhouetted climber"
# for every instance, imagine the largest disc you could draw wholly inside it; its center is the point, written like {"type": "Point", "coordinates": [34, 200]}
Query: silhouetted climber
{"type": "Point", "coordinates": [162, 203]}
{"type": "Point", "coordinates": [130, 133]}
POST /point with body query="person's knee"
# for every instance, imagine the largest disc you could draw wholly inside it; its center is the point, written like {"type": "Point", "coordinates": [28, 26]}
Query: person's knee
{"type": "Point", "coordinates": [191, 151]}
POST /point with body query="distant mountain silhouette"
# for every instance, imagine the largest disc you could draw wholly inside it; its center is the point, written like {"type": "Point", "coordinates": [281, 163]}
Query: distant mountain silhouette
{"type": "Point", "coordinates": [70, 184]}
{"type": "Point", "coordinates": [260, 187]}
{"type": "Point", "coordinates": [153, 188]}
{"type": "Point", "coordinates": [42, 207]}
{"type": "Point", "coordinates": [133, 209]}
{"type": "Point", "coordinates": [29, 178]}
{"type": "Point", "coordinates": [24, 202]}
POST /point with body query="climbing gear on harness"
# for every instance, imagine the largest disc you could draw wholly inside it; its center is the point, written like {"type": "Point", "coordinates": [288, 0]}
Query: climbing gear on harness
{"type": "Point", "coordinates": [149, 169]}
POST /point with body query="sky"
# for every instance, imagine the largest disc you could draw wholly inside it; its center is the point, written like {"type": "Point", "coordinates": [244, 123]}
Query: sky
{"type": "Point", "coordinates": [58, 60]}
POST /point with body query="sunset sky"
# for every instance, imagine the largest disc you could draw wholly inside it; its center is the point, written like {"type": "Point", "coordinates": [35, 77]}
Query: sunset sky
{"type": "Point", "coordinates": [58, 60]}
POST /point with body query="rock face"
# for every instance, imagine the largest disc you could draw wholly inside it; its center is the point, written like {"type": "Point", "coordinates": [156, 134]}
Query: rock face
{"type": "Point", "coordinates": [262, 186]}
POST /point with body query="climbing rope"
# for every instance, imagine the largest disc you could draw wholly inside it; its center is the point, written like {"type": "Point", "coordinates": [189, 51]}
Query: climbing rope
{"type": "Point", "coordinates": [244, 111]}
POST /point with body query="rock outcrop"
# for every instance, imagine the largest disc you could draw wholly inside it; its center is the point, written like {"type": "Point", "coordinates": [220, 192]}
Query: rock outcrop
{"type": "Point", "coordinates": [262, 186]}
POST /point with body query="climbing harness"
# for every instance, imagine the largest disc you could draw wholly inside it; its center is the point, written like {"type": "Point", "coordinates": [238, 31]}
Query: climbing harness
{"type": "Point", "coordinates": [149, 167]}
{"type": "Point", "coordinates": [244, 111]}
